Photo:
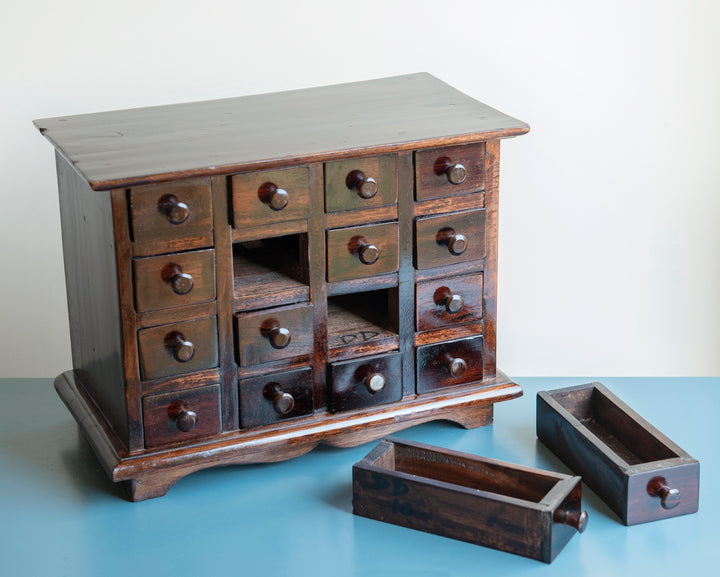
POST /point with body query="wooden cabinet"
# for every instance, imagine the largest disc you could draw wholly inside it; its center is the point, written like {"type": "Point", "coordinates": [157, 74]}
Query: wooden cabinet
{"type": "Point", "coordinates": [237, 299]}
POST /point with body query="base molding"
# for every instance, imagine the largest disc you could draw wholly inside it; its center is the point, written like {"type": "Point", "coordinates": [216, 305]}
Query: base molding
{"type": "Point", "coordinates": [151, 473]}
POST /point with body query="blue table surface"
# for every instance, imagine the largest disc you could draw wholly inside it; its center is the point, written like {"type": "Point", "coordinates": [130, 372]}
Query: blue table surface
{"type": "Point", "coordinates": [61, 515]}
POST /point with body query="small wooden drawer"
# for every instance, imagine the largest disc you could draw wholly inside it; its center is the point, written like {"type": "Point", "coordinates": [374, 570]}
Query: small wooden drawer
{"type": "Point", "coordinates": [640, 473]}
{"type": "Point", "coordinates": [449, 170]}
{"type": "Point", "coordinates": [260, 198]}
{"type": "Point", "coordinates": [449, 239]}
{"type": "Point", "coordinates": [182, 416]}
{"type": "Point", "coordinates": [520, 510]}
{"type": "Point", "coordinates": [275, 334]}
{"type": "Point", "coordinates": [275, 397]}
{"type": "Point", "coordinates": [171, 216]}
{"type": "Point", "coordinates": [450, 301]}
{"type": "Point", "coordinates": [449, 363]}
{"type": "Point", "coordinates": [174, 280]}
{"type": "Point", "coordinates": [362, 251]}
{"type": "Point", "coordinates": [360, 183]}
{"type": "Point", "coordinates": [365, 382]}
{"type": "Point", "coordinates": [178, 348]}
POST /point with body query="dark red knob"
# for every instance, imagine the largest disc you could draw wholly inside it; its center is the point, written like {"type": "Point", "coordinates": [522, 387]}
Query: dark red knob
{"type": "Point", "coordinates": [455, 172]}
{"type": "Point", "coordinates": [367, 253]}
{"type": "Point", "coordinates": [278, 336]}
{"type": "Point", "coordinates": [175, 211]}
{"type": "Point", "coordinates": [669, 497]}
{"type": "Point", "coordinates": [365, 186]}
{"type": "Point", "coordinates": [186, 420]}
{"type": "Point", "coordinates": [375, 382]}
{"type": "Point", "coordinates": [276, 198]}
{"type": "Point", "coordinates": [455, 242]}
{"type": "Point", "coordinates": [576, 519]}
{"type": "Point", "coordinates": [455, 366]}
{"type": "Point", "coordinates": [182, 349]}
{"type": "Point", "coordinates": [283, 402]}
{"type": "Point", "coordinates": [444, 297]}
{"type": "Point", "coordinates": [180, 282]}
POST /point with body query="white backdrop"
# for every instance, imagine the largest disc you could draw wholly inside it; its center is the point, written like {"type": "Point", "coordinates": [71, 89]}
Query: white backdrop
{"type": "Point", "coordinates": [609, 247]}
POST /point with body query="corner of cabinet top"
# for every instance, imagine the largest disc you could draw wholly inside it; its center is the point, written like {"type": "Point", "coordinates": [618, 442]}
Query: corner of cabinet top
{"type": "Point", "coordinates": [126, 148]}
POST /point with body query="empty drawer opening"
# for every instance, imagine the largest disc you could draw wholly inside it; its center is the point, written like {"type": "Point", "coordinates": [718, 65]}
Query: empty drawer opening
{"type": "Point", "coordinates": [270, 272]}
{"type": "Point", "coordinates": [613, 426]}
{"type": "Point", "coordinates": [366, 321]}
{"type": "Point", "coordinates": [482, 476]}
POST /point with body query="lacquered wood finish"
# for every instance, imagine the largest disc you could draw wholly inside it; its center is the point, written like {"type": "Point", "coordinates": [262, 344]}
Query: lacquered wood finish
{"type": "Point", "coordinates": [162, 356]}
{"type": "Point", "coordinates": [275, 397]}
{"type": "Point", "coordinates": [517, 509]}
{"type": "Point", "coordinates": [449, 301]}
{"type": "Point", "coordinates": [157, 228]}
{"type": "Point", "coordinates": [432, 169]}
{"type": "Point", "coordinates": [284, 296]}
{"type": "Point", "coordinates": [201, 139]}
{"type": "Point", "coordinates": [342, 190]}
{"type": "Point", "coordinates": [621, 456]}
{"type": "Point", "coordinates": [181, 416]}
{"type": "Point", "coordinates": [449, 364]}
{"type": "Point", "coordinates": [346, 250]}
{"type": "Point", "coordinates": [356, 383]}
{"type": "Point", "coordinates": [253, 193]}
{"type": "Point", "coordinates": [257, 340]}
{"type": "Point", "coordinates": [437, 238]}
{"type": "Point", "coordinates": [156, 280]}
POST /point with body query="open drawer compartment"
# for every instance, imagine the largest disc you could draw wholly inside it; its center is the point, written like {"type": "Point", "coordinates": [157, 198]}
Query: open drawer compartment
{"type": "Point", "coordinates": [639, 473]}
{"type": "Point", "coordinates": [517, 509]}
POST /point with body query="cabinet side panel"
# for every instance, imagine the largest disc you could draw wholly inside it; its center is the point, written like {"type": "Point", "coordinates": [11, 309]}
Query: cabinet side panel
{"type": "Point", "coordinates": [92, 294]}
{"type": "Point", "coordinates": [492, 180]}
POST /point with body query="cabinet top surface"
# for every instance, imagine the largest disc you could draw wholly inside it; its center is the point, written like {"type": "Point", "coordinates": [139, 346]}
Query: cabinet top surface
{"type": "Point", "coordinates": [130, 147]}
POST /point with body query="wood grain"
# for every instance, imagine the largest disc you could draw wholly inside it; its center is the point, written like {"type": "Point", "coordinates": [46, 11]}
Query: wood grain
{"type": "Point", "coordinates": [154, 275]}
{"type": "Point", "coordinates": [430, 182]}
{"type": "Point", "coordinates": [153, 233]}
{"type": "Point", "coordinates": [256, 409]}
{"type": "Point", "coordinates": [432, 369]}
{"type": "Point", "coordinates": [129, 147]}
{"type": "Point", "coordinates": [348, 386]}
{"type": "Point", "coordinates": [430, 252]}
{"type": "Point", "coordinates": [248, 208]}
{"type": "Point", "coordinates": [616, 451]}
{"type": "Point", "coordinates": [339, 197]}
{"type": "Point", "coordinates": [432, 311]}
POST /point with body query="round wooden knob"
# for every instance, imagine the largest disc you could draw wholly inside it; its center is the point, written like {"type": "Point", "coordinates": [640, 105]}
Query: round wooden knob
{"type": "Point", "coordinates": [181, 283]}
{"type": "Point", "coordinates": [367, 253]}
{"type": "Point", "coordinates": [375, 382]}
{"type": "Point", "coordinates": [669, 497]}
{"type": "Point", "coordinates": [455, 242]}
{"type": "Point", "coordinates": [276, 198]}
{"type": "Point", "coordinates": [282, 402]}
{"type": "Point", "coordinates": [453, 303]}
{"type": "Point", "coordinates": [186, 420]}
{"type": "Point", "coordinates": [365, 186]}
{"type": "Point", "coordinates": [279, 337]}
{"type": "Point", "coordinates": [182, 349]}
{"type": "Point", "coordinates": [455, 366]}
{"type": "Point", "coordinates": [456, 173]}
{"type": "Point", "coordinates": [175, 211]}
{"type": "Point", "coordinates": [576, 519]}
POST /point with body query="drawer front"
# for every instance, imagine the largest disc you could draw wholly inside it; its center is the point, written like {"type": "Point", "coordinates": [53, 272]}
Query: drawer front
{"type": "Point", "coordinates": [178, 348]}
{"type": "Point", "coordinates": [449, 301]}
{"type": "Point", "coordinates": [275, 334]}
{"type": "Point", "coordinates": [174, 280]}
{"type": "Point", "coordinates": [261, 198]}
{"type": "Point", "coordinates": [360, 183]}
{"type": "Point", "coordinates": [178, 417]}
{"type": "Point", "coordinates": [449, 239]}
{"type": "Point", "coordinates": [362, 251]}
{"type": "Point", "coordinates": [365, 382]}
{"type": "Point", "coordinates": [449, 170]}
{"type": "Point", "coordinates": [448, 364]}
{"type": "Point", "coordinates": [276, 397]}
{"type": "Point", "coordinates": [171, 216]}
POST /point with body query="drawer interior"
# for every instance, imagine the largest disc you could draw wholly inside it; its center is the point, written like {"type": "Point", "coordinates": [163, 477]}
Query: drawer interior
{"type": "Point", "coordinates": [274, 269]}
{"type": "Point", "coordinates": [481, 475]}
{"type": "Point", "coordinates": [627, 438]}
